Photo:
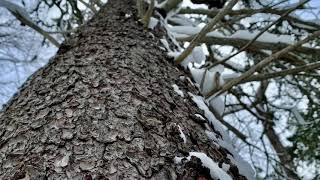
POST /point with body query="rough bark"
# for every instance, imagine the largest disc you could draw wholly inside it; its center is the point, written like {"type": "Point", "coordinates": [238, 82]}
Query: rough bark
{"type": "Point", "coordinates": [104, 108]}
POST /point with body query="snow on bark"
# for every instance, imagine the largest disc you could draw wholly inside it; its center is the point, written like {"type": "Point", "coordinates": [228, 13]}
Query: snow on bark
{"type": "Point", "coordinates": [225, 141]}
{"type": "Point", "coordinates": [244, 167]}
{"type": "Point", "coordinates": [206, 81]}
{"type": "Point", "coordinates": [177, 90]}
{"type": "Point", "coordinates": [200, 116]}
{"type": "Point", "coordinates": [216, 172]}
{"type": "Point", "coordinates": [199, 100]}
{"type": "Point", "coordinates": [182, 135]}
{"type": "Point", "coordinates": [165, 43]}
{"type": "Point", "coordinates": [153, 23]}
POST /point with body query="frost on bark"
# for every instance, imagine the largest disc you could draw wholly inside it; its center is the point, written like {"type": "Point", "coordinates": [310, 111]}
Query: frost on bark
{"type": "Point", "coordinates": [104, 108]}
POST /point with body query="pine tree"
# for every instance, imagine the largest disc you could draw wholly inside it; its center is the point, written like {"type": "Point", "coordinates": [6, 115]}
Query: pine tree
{"type": "Point", "coordinates": [105, 108]}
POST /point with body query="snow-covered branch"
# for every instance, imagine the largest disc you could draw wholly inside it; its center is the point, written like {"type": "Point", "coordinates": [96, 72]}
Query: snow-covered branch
{"type": "Point", "coordinates": [262, 64]}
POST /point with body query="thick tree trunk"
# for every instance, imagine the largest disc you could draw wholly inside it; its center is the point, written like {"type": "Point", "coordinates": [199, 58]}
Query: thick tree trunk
{"type": "Point", "coordinates": [104, 108]}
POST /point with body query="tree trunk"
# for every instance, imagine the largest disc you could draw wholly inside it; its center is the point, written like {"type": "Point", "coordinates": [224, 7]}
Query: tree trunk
{"type": "Point", "coordinates": [285, 158]}
{"type": "Point", "coordinates": [104, 108]}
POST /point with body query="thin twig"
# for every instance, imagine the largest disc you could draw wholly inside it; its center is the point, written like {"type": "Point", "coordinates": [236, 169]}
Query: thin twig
{"type": "Point", "coordinates": [262, 64]}
{"type": "Point", "coordinates": [36, 28]}
{"type": "Point", "coordinates": [205, 30]}
{"type": "Point", "coordinates": [148, 14]}
{"type": "Point", "coordinates": [239, 134]}
{"type": "Point", "coordinates": [308, 25]}
{"type": "Point", "coordinates": [140, 8]}
{"type": "Point", "coordinates": [296, 70]}
{"type": "Point", "coordinates": [259, 34]}
{"type": "Point", "coordinates": [171, 4]}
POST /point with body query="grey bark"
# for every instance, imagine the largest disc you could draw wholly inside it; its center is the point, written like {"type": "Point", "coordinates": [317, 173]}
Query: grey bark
{"type": "Point", "coordinates": [104, 108]}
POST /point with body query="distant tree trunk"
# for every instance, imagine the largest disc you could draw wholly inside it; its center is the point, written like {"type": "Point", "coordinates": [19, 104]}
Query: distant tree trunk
{"type": "Point", "coordinates": [104, 108]}
{"type": "Point", "coordinates": [285, 158]}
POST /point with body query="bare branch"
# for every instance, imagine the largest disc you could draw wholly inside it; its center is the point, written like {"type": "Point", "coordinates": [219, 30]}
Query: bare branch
{"type": "Point", "coordinates": [140, 8]}
{"type": "Point", "coordinates": [292, 71]}
{"type": "Point", "coordinates": [259, 34]}
{"type": "Point", "coordinates": [262, 64]}
{"type": "Point", "coordinates": [239, 134]}
{"type": "Point", "coordinates": [205, 30]}
{"type": "Point", "coordinates": [171, 4]}
{"type": "Point", "coordinates": [148, 14]}
{"type": "Point", "coordinates": [237, 42]}
{"type": "Point", "coordinates": [23, 16]}
{"type": "Point", "coordinates": [268, 10]}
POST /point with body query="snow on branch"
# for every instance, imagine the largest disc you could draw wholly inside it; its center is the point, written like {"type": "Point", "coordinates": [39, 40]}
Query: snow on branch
{"type": "Point", "coordinates": [308, 25]}
{"type": "Point", "coordinates": [241, 38]}
{"type": "Point", "coordinates": [205, 30]}
{"type": "Point", "coordinates": [263, 31]}
{"type": "Point", "coordinates": [262, 64]}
